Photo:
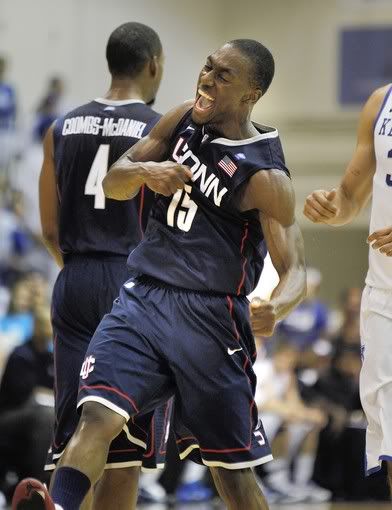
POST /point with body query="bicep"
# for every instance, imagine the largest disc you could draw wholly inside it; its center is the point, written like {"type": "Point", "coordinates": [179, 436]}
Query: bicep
{"type": "Point", "coordinates": [48, 199]}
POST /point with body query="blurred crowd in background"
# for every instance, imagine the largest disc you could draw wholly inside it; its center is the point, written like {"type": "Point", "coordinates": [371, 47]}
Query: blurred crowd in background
{"type": "Point", "coordinates": [308, 373]}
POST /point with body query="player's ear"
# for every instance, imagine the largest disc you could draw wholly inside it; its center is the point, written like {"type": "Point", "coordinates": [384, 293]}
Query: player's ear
{"type": "Point", "coordinates": [154, 66]}
{"type": "Point", "coordinates": [253, 96]}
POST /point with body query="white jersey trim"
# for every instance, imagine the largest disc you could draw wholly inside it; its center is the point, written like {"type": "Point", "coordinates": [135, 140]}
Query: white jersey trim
{"type": "Point", "coordinates": [386, 97]}
{"type": "Point", "coordinates": [227, 465]}
{"type": "Point", "coordinates": [117, 102]}
{"type": "Point", "coordinates": [246, 141]}
{"type": "Point", "coordinates": [152, 470]}
{"type": "Point", "coordinates": [107, 404]}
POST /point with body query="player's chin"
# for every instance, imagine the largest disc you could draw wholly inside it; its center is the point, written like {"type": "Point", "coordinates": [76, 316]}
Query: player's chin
{"type": "Point", "coordinates": [202, 115]}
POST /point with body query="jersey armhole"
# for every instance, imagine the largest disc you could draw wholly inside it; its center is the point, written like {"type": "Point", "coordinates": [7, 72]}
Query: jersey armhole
{"type": "Point", "coordinates": [382, 106]}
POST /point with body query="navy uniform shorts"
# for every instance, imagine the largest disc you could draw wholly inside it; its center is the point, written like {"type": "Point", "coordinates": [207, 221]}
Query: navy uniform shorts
{"type": "Point", "coordinates": [160, 341]}
{"type": "Point", "coordinates": [84, 292]}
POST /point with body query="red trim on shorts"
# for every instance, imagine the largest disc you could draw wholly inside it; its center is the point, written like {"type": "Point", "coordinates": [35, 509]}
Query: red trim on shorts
{"type": "Point", "coordinates": [108, 388]}
{"type": "Point", "coordinates": [141, 206]}
{"type": "Point", "coordinates": [231, 307]}
{"type": "Point", "coordinates": [189, 438]}
{"type": "Point", "coordinates": [152, 435]}
{"type": "Point", "coordinates": [244, 238]}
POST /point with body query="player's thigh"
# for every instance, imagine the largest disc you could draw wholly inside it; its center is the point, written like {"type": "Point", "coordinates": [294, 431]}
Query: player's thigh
{"type": "Point", "coordinates": [216, 385]}
{"type": "Point", "coordinates": [376, 340]}
{"type": "Point", "coordinates": [122, 368]}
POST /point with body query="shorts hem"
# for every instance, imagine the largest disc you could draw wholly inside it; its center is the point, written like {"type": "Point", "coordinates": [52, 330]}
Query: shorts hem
{"type": "Point", "coordinates": [160, 465]}
{"type": "Point", "coordinates": [121, 465]}
{"type": "Point", "coordinates": [106, 403]}
{"type": "Point", "coordinates": [238, 465]}
{"type": "Point", "coordinates": [227, 465]}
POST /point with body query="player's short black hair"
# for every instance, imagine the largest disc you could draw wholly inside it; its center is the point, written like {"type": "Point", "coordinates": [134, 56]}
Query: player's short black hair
{"type": "Point", "coordinates": [261, 58]}
{"type": "Point", "coordinates": [130, 47]}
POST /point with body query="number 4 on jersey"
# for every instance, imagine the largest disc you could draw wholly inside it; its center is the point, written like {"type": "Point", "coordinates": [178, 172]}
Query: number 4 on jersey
{"type": "Point", "coordinates": [96, 175]}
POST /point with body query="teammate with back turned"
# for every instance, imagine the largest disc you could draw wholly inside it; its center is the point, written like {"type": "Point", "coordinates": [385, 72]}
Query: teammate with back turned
{"type": "Point", "coordinates": [90, 236]}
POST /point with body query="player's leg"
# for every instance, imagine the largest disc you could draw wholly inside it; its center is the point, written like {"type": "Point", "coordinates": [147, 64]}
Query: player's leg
{"type": "Point", "coordinates": [219, 409]}
{"type": "Point", "coordinates": [121, 375]}
{"type": "Point", "coordinates": [84, 459]}
{"type": "Point", "coordinates": [376, 376]}
{"type": "Point", "coordinates": [238, 489]}
{"type": "Point", "coordinates": [117, 489]}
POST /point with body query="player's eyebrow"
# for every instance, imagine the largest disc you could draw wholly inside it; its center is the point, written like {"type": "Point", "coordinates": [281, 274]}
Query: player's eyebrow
{"type": "Point", "coordinates": [221, 69]}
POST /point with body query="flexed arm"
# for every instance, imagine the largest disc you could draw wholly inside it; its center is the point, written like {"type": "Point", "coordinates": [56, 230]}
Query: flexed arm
{"type": "Point", "coordinates": [145, 163]}
{"type": "Point", "coordinates": [272, 194]}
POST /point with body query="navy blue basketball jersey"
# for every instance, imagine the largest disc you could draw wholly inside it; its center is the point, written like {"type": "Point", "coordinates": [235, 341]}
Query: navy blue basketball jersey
{"type": "Point", "coordinates": [198, 239]}
{"type": "Point", "coordinates": [86, 142]}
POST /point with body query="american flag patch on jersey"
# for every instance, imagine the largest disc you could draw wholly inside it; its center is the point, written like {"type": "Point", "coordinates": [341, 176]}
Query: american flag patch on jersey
{"type": "Point", "coordinates": [227, 165]}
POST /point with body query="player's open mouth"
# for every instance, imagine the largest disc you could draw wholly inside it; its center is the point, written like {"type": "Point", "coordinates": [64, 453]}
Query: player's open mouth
{"type": "Point", "coordinates": [204, 101]}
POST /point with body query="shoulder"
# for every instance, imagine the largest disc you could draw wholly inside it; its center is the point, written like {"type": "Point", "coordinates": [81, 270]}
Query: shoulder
{"type": "Point", "coordinates": [271, 193]}
{"type": "Point", "coordinates": [375, 102]}
{"type": "Point", "coordinates": [273, 180]}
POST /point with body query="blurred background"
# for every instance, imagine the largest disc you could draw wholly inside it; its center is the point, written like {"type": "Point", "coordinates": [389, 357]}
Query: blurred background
{"type": "Point", "coordinates": [329, 57]}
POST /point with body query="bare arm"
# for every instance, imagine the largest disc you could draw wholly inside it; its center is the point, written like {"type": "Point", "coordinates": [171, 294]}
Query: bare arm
{"type": "Point", "coordinates": [48, 201]}
{"type": "Point", "coordinates": [341, 206]}
{"type": "Point", "coordinates": [144, 163]}
{"type": "Point", "coordinates": [272, 194]}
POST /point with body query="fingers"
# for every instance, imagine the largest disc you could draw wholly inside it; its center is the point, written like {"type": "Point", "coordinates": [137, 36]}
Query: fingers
{"type": "Point", "coordinates": [379, 233]}
{"type": "Point", "coordinates": [382, 240]}
{"type": "Point", "coordinates": [263, 317]}
{"type": "Point", "coordinates": [319, 206]}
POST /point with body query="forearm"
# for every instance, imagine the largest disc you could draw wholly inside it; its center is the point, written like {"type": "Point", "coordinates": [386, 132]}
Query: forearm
{"type": "Point", "coordinates": [290, 291]}
{"type": "Point", "coordinates": [347, 206]}
{"type": "Point", "coordinates": [124, 179]}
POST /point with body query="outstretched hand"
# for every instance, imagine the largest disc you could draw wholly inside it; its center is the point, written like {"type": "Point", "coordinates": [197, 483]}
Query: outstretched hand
{"type": "Point", "coordinates": [381, 240]}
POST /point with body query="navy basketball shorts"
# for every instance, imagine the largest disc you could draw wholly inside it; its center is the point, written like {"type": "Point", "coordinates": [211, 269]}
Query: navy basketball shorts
{"type": "Point", "coordinates": [160, 341]}
{"type": "Point", "coordinates": [84, 291]}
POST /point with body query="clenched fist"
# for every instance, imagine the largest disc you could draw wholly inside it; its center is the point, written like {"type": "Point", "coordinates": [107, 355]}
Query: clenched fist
{"type": "Point", "coordinates": [319, 206]}
{"type": "Point", "coordinates": [263, 317]}
{"type": "Point", "coordinates": [167, 177]}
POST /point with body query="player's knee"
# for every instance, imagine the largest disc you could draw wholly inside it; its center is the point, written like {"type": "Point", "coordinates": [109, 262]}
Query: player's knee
{"type": "Point", "coordinates": [99, 420]}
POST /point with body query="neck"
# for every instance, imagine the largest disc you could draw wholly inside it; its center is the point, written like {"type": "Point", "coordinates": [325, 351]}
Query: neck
{"type": "Point", "coordinates": [235, 129]}
{"type": "Point", "coordinates": [124, 88]}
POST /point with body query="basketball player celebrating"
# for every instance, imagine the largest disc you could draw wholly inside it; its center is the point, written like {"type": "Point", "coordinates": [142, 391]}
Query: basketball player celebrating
{"type": "Point", "coordinates": [181, 325]}
{"type": "Point", "coordinates": [91, 237]}
{"type": "Point", "coordinates": [369, 173]}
